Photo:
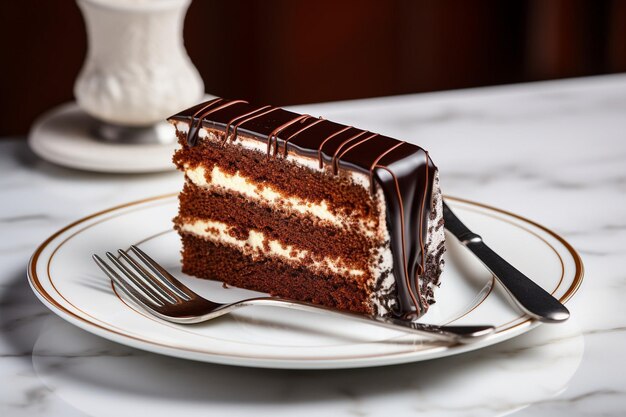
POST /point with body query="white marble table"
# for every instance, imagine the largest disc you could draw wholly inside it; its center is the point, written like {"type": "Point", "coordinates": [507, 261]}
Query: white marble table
{"type": "Point", "coordinates": [554, 152]}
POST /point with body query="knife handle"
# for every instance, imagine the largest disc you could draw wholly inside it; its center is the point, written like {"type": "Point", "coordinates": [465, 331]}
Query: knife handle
{"type": "Point", "coordinates": [530, 297]}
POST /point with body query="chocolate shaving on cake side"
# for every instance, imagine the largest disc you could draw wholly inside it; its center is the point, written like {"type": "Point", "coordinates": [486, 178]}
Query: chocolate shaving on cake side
{"type": "Point", "coordinates": [305, 208]}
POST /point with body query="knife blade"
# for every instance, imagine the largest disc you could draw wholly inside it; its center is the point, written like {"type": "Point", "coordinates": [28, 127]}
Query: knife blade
{"type": "Point", "coordinates": [528, 296]}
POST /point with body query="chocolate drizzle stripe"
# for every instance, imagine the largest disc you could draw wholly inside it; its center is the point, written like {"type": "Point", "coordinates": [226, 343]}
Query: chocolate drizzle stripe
{"type": "Point", "coordinates": [192, 135]}
{"type": "Point", "coordinates": [208, 104]}
{"type": "Point", "coordinates": [223, 106]}
{"type": "Point", "coordinates": [275, 132]}
{"type": "Point", "coordinates": [381, 156]}
{"type": "Point", "coordinates": [341, 145]}
{"type": "Point", "coordinates": [298, 132]}
{"type": "Point", "coordinates": [193, 131]}
{"type": "Point", "coordinates": [252, 117]}
{"type": "Point", "coordinates": [336, 162]}
{"type": "Point", "coordinates": [319, 150]}
{"type": "Point", "coordinates": [235, 119]}
{"type": "Point", "coordinates": [404, 257]}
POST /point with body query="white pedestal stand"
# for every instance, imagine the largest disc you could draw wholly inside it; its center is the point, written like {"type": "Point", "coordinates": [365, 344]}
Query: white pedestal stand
{"type": "Point", "coordinates": [136, 74]}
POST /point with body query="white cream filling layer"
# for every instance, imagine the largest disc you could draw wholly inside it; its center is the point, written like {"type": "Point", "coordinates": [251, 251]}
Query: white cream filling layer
{"type": "Point", "coordinates": [255, 245]}
{"type": "Point", "coordinates": [242, 185]}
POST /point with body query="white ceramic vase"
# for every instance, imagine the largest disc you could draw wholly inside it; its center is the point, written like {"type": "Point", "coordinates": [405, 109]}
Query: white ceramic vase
{"type": "Point", "coordinates": [137, 71]}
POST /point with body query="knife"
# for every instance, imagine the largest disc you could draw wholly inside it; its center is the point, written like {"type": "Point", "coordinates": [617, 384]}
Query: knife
{"type": "Point", "coordinates": [529, 297]}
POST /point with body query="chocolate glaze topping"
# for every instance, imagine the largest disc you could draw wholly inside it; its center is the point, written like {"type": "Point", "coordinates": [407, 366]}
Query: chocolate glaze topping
{"type": "Point", "coordinates": [403, 171]}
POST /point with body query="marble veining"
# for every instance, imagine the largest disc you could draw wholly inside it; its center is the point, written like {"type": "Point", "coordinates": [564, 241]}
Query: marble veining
{"type": "Point", "coordinates": [552, 151]}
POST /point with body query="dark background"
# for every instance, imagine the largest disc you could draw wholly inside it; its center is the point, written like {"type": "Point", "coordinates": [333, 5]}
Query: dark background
{"type": "Point", "coordinates": [286, 52]}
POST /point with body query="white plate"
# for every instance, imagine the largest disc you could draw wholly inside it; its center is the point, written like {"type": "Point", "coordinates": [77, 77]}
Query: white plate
{"type": "Point", "coordinates": [66, 280]}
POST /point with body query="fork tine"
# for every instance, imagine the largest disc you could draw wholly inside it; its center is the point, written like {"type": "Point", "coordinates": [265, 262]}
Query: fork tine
{"type": "Point", "coordinates": [165, 277]}
{"type": "Point", "coordinates": [148, 278]}
{"type": "Point", "coordinates": [141, 299]}
{"type": "Point", "coordinates": [139, 282]}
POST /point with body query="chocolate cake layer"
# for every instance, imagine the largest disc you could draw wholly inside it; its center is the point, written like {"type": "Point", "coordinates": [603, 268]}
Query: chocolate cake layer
{"type": "Point", "coordinates": [208, 260]}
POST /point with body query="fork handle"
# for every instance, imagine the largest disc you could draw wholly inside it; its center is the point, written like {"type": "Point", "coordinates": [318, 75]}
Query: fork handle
{"type": "Point", "coordinates": [455, 334]}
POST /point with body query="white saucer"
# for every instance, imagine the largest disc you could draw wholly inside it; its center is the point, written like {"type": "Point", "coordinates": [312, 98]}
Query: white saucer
{"type": "Point", "coordinates": [66, 280]}
{"type": "Point", "coordinates": [65, 136]}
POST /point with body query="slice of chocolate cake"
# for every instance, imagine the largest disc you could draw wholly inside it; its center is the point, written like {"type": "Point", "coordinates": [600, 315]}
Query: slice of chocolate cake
{"type": "Point", "coordinates": [305, 208]}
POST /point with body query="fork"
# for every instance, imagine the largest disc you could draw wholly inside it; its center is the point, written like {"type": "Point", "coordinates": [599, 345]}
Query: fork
{"type": "Point", "coordinates": [158, 292]}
